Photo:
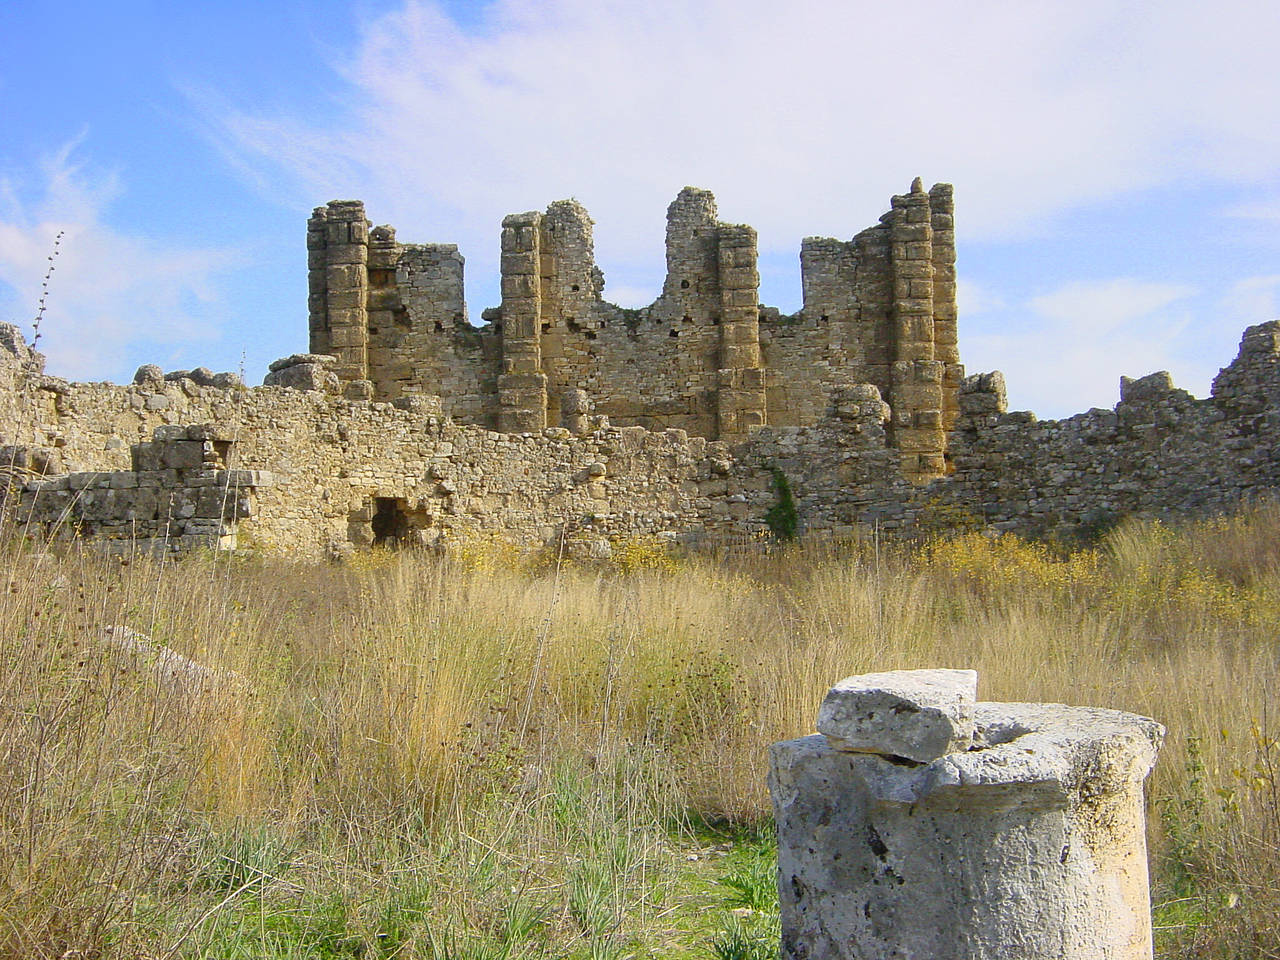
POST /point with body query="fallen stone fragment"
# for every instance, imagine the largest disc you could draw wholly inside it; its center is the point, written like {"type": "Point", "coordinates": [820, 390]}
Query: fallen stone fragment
{"type": "Point", "coordinates": [173, 672]}
{"type": "Point", "coordinates": [917, 715]}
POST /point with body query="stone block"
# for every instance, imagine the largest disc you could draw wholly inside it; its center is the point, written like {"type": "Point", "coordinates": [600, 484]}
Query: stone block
{"type": "Point", "coordinates": [1154, 386]}
{"type": "Point", "coordinates": [740, 355]}
{"type": "Point", "coordinates": [343, 337]}
{"type": "Point", "coordinates": [182, 454]}
{"type": "Point", "coordinates": [294, 359]}
{"type": "Point", "coordinates": [221, 432]}
{"type": "Point", "coordinates": [519, 285]}
{"type": "Point", "coordinates": [524, 261]}
{"type": "Point", "coordinates": [148, 375]}
{"type": "Point", "coordinates": [358, 389]}
{"type": "Point", "coordinates": [739, 278]}
{"type": "Point", "coordinates": [918, 715]}
{"type": "Point", "coordinates": [304, 376]}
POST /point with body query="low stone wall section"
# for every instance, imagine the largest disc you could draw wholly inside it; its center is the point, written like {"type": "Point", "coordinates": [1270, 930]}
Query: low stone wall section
{"type": "Point", "coordinates": [347, 472]}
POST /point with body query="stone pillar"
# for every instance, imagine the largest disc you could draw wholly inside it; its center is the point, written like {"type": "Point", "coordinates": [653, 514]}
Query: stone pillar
{"type": "Point", "coordinates": [920, 824]}
{"type": "Point", "coordinates": [946, 347]}
{"type": "Point", "coordinates": [740, 394]}
{"type": "Point", "coordinates": [385, 374]}
{"type": "Point", "coordinates": [522, 386]}
{"type": "Point", "coordinates": [570, 286]}
{"type": "Point", "coordinates": [342, 299]}
{"type": "Point", "coordinates": [982, 399]}
{"type": "Point", "coordinates": [691, 250]}
{"type": "Point", "coordinates": [915, 381]}
{"type": "Point", "coordinates": [575, 411]}
{"type": "Point", "coordinates": [318, 280]}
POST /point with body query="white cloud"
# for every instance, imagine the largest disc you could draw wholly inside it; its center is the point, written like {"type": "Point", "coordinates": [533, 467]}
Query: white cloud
{"type": "Point", "coordinates": [973, 298]}
{"type": "Point", "coordinates": [634, 297]}
{"type": "Point", "coordinates": [1072, 345]}
{"type": "Point", "coordinates": [1252, 300]}
{"type": "Point", "coordinates": [1265, 209]}
{"type": "Point", "coordinates": [801, 116]}
{"type": "Point", "coordinates": [108, 289]}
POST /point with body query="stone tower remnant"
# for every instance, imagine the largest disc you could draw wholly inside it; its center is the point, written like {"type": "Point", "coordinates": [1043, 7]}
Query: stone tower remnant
{"type": "Point", "coordinates": [705, 357]}
{"type": "Point", "coordinates": [920, 823]}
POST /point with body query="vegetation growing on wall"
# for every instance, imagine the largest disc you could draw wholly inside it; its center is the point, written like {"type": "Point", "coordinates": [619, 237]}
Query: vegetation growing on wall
{"type": "Point", "coordinates": [782, 518]}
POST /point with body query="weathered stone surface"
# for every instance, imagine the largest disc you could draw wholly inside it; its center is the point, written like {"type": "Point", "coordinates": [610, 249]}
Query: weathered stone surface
{"type": "Point", "coordinates": [295, 359]}
{"type": "Point", "coordinates": [917, 715]}
{"type": "Point", "coordinates": [1028, 846]}
{"type": "Point", "coordinates": [148, 373]}
{"type": "Point", "coordinates": [858, 387]}
{"type": "Point", "coordinates": [303, 376]}
{"type": "Point", "coordinates": [172, 672]}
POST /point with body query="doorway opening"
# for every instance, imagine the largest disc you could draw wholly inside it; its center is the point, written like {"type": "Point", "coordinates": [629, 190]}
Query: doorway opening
{"type": "Point", "coordinates": [390, 522]}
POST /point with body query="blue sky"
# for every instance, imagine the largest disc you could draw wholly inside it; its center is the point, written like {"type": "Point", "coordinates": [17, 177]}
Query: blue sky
{"type": "Point", "coordinates": [1117, 165]}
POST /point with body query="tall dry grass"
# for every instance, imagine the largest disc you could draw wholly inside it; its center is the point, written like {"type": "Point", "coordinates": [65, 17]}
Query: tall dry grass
{"type": "Point", "coordinates": [407, 756]}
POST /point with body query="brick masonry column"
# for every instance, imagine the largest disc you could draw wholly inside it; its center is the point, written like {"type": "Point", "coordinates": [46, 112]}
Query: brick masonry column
{"type": "Point", "coordinates": [945, 345]}
{"type": "Point", "coordinates": [383, 300]}
{"type": "Point", "coordinates": [318, 280]}
{"type": "Point", "coordinates": [915, 388]}
{"type": "Point", "coordinates": [522, 386]}
{"type": "Point", "coordinates": [740, 388]}
{"type": "Point", "coordinates": [346, 288]}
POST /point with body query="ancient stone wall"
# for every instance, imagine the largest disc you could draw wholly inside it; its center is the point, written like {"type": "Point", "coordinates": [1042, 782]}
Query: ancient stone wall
{"type": "Point", "coordinates": [705, 357]}
{"type": "Point", "coordinates": [1160, 452]}
{"type": "Point", "coordinates": [345, 472]}
{"type": "Point", "coordinates": [565, 412]}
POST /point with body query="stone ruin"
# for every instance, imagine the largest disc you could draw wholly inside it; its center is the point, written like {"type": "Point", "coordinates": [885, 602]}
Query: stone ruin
{"type": "Point", "coordinates": [706, 357]}
{"type": "Point", "coordinates": [565, 417]}
{"type": "Point", "coordinates": [919, 823]}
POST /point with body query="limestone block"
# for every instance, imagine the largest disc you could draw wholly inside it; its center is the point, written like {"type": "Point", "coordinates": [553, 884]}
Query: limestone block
{"type": "Point", "coordinates": [303, 376]}
{"type": "Point", "coordinates": [294, 359]}
{"type": "Point", "coordinates": [1155, 386]}
{"type": "Point", "coordinates": [1029, 845]}
{"type": "Point", "coordinates": [575, 401]}
{"type": "Point", "coordinates": [148, 374]}
{"type": "Point", "coordinates": [145, 456]}
{"type": "Point", "coordinates": [182, 454]}
{"type": "Point", "coordinates": [222, 432]}
{"type": "Point", "coordinates": [915, 714]}
{"type": "Point", "coordinates": [358, 390]}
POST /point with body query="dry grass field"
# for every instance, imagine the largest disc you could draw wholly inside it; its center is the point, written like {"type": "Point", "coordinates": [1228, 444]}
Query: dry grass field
{"type": "Point", "coordinates": [486, 757]}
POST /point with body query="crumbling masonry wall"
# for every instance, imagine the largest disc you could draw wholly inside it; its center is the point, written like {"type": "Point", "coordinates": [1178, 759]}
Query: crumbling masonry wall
{"type": "Point", "coordinates": [564, 414]}
{"type": "Point", "coordinates": [319, 466]}
{"type": "Point", "coordinates": [705, 357]}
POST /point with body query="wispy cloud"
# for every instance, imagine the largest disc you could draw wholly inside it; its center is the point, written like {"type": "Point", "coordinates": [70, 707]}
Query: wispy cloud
{"type": "Point", "coordinates": [1252, 300]}
{"type": "Point", "coordinates": [1071, 346]}
{"type": "Point", "coordinates": [110, 289]}
{"type": "Point", "coordinates": [972, 298]}
{"type": "Point", "coordinates": [802, 116]}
